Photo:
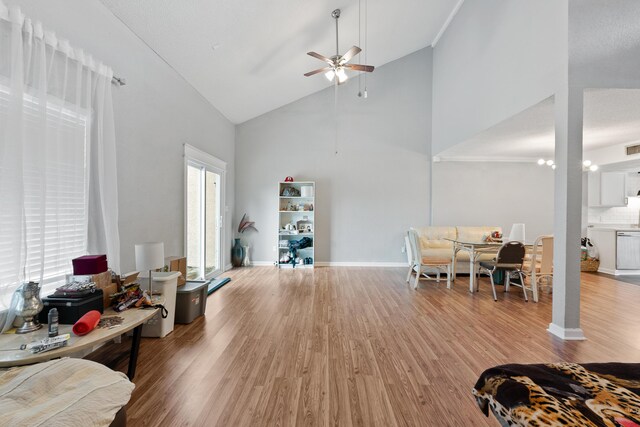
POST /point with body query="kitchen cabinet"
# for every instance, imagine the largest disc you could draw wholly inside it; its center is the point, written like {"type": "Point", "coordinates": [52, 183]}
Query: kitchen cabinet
{"type": "Point", "coordinates": [607, 189]}
{"type": "Point", "coordinates": [633, 184]}
{"type": "Point", "coordinates": [618, 248]}
{"type": "Point", "coordinates": [605, 240]}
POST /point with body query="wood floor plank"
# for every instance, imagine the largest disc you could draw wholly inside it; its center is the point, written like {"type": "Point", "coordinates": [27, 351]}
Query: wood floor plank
{"type": "Point", "coordinates": [358, 347]}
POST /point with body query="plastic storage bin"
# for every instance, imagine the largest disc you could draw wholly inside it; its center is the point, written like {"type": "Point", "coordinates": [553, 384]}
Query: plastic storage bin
{"type": "Point", "coordinates": [165, 283]}
{"type": "Point", "coordinates": [191, 301]}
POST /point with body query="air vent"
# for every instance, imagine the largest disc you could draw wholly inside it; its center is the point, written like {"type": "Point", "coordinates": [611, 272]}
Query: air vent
{"type": "Point", "coordinates": [633, 149]}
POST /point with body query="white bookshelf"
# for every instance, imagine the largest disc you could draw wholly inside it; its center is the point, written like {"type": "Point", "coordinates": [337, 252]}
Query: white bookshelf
{"type": "Point", "coordinates": [297, 207]}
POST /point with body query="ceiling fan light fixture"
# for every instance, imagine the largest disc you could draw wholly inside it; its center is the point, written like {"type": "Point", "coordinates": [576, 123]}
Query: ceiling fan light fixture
{"type": "Point", "coordinates": [342, 75]}
{"type": "Point", "coordinates": [330, 75]}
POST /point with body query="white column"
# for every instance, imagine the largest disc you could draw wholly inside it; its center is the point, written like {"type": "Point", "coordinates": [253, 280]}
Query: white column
{"type": "Point", "coordinates": [567, 214]}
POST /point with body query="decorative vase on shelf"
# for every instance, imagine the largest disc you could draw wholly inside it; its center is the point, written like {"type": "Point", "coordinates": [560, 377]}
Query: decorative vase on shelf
{"type": "Point", "coordinates": [237, 254]}
{"type": "Point", "coordinates": [246, 262]}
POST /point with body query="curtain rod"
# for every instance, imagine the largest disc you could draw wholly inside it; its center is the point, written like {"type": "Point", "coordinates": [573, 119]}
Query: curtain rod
{"type": "Point", "coordinates": [120, 81]}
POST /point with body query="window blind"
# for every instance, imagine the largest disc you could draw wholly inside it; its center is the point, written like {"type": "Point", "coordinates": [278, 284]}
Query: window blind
{"type": "Point", "coordinates": [58, 186]}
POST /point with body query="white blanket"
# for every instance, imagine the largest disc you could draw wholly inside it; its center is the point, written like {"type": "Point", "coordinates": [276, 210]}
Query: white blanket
{"type": "Point", "coordinates": [63, 392]}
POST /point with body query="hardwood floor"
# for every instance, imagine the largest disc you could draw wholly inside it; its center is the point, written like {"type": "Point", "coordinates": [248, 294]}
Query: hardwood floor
{"type": "Point", "coordinates": [357, 346]}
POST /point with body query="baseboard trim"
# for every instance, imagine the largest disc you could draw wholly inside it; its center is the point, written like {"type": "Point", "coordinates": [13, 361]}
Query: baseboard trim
{"type": "Point", "coordinates": [228, 267]}
{"type": "Point", "coordinates": [606, 271]}
{"type": "Point", "coordinates": [567, 334]}
{"type": "Point", "coordinates": [627, 272]}
{"type": "Point", "coordinates": [263, 263]}
{"type": "Point", "coordinates": [342, 264]}
{"type": "Point", "coordinates": [361, 264]}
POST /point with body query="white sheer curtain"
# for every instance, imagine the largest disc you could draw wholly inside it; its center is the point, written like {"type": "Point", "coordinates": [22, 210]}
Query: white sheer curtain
{"type": "Point", "coordinates": [58, 188]}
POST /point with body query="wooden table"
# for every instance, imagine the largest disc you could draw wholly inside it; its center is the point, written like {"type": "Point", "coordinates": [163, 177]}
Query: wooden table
{"type": "Point", "coordinates": [133, 320]}
{"type": "Point", "coordinates": [475, 249]}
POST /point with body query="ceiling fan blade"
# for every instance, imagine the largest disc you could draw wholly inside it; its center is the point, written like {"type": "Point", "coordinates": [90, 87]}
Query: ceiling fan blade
{"type": "Point", "coordinates": [320, 57]}
{"type": "Point", "coordinates": [311, 73]}
{"type": "Point", "coordinates": [350, 54]}
{"type": "Point", "coordinates": [359, 67]}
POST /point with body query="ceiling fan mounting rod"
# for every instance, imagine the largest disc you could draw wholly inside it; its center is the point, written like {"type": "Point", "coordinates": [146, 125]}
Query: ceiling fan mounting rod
{"type": "Point", "coordinates": [336, 15]}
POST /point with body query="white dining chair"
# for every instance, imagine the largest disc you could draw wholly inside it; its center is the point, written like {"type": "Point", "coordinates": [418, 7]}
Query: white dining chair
{"type": "Point", "coordinates": [422, 265]}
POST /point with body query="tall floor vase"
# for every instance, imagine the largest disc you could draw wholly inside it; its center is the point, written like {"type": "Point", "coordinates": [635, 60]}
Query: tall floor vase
{"type": "Point", "coordinates": [237, 254]}
{"type": "Point", "coordinates": [246, 262]}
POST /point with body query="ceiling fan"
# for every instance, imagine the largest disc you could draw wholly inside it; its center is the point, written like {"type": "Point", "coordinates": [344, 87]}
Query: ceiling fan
{"type": "Point", "coordinates": [339, 64]}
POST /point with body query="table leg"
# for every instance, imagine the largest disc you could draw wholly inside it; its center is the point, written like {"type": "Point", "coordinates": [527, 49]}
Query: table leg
{"type": "Point", "coordinates": [133, 356]}
{"type": "Point", "coordinates": [453, 263]}
{"type": "Point", "coordinates": [472, 272]}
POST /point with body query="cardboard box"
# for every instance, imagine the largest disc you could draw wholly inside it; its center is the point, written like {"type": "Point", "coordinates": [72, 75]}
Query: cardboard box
{"type": "Point", "coordinates": [178, 263]}
{"type": "Point", "coordinates": [102, 281]}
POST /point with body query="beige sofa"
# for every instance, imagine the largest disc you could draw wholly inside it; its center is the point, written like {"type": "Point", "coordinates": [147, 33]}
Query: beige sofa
{"type": "Point", "coordinates": [433, 243]}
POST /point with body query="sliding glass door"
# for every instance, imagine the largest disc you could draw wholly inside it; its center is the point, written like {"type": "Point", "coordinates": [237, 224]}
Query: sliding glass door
{"type": "Point", "coordinates": [203, 220]}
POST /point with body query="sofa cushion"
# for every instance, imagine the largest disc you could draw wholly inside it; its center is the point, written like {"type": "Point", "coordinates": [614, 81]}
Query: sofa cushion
{"type": "Point", "coordinates": [463, 256]}
{"type": "Point", "coordinates": [475, 234]}
{"type": "Point", "coordinates": [433, 238]}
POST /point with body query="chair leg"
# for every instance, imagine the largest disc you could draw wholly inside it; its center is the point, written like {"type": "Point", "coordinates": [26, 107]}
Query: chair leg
{"type": "Point", "coordinates": [410, 271]}
{"type": "Point", "coordinates": [418, 274]}
{"type": "Point", "coordinates": [534, 286]}
{"type": "Point", "coordinates": [507, 280]}
{"type": "Point", "coordinates": [524, 288]}
{"type": "Point", "coordinates": [448, 276]}
{"type": "Point", "coordinates": [438, 275]}
{"type": "Point", "coordinates": [493, 288]}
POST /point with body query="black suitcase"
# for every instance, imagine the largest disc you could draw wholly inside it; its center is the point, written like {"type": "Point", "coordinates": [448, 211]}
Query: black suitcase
{"type": "Point", "coordinates": [71, 309]}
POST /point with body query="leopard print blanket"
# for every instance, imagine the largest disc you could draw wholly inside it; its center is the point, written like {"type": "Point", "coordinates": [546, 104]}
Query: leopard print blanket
{"type": "Point", "coordinates": [562, 394]}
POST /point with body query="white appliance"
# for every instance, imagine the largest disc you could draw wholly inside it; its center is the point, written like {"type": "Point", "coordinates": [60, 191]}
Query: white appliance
{"type": "Point", "coordinates": [166, 283]}
{"type": "Point", "coordinates": [628, 250]}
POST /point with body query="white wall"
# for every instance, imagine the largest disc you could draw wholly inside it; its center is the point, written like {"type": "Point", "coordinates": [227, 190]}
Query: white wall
{"type": "Point", "coordinates": [497, 58]}
{"type": "Point", "coordinates": [604, 43]}
{"type": "Point", "coordinates": [494, 194]}
{"type": "Point", "coordinates": [369, 193]}
{"type": "Point", "coordinates": [155, 113]}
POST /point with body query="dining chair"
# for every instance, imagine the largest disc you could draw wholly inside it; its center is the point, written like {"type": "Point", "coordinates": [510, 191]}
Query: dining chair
{"type": "Point", "coordinates": [538, 265]}
{"type": "Point", "coordinates": [508, 260]}
{"type": "Point", "coordinates": [422, 265]}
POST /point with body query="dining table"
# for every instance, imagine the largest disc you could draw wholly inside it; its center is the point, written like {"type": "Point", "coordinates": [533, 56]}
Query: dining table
{"type": "Point", "coordinates": [475, 249]}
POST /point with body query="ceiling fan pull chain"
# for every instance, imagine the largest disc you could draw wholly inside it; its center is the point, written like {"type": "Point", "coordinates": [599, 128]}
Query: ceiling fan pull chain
{"type": "Point", "coordinates": [336, 13]}
{"type": "Point", "coordinates": [366, 42]}
{"type": "Point", "coordinates": [335, 116]}
{"type": "Point", "coordinates": [360, 44]}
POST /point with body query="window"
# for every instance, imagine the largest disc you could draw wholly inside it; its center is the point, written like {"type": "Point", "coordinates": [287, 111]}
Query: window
{"type": "Point", "coordinates": [55, 187]}
{"type": "Point", "coordinates": [203, 214]}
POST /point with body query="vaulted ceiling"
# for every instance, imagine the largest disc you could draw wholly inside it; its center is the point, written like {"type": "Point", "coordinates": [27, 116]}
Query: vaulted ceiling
{"type": "Point", "coordinates": [248, 57]}
{"type": "Point", "coordinates": [611, 116]}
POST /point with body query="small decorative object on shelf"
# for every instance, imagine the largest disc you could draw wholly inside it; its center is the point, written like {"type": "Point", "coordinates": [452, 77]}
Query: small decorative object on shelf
{"type": "Point", "coordinates": [296, 238]}
{"type": "Point", "coordinates": [288, 179]}
{"type": "Point", "coordinates": [304, 225]}
{"type": "Point", "coordinates": [290, 192]}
